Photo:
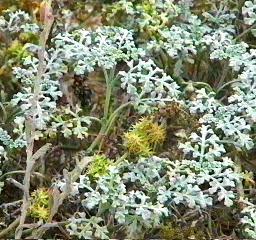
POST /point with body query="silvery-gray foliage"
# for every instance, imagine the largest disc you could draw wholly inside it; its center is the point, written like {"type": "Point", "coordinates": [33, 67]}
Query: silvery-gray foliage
{"type": "Point", "coordinates": [179, 42]}
{"type": "Point", "coordinates": [17, 22]}
{"type": "Point", "coordinates": [14, 22]}
{"type": "Point", "coordinates": [212, 165]}
{"type": "Point", "coordinates": [49, 92]}
{"type": "Point", "coordinates": [230, 119]}
{"type": "Point", "coordinates": [87, 228]}
{"type": "Point", "coordinates": [245, 93]}
{"type": "Point", "coordinates": [236, 117]}
{"type": "Point", "coordinates": [5, 138]}
{"type": "Point", "coordinates": [186, 3]}
{"type": "Point", "coordinates": [148, 85]}
{"type": "Point", "coordinates": [7, 143]}
{"type": "Point", "coordinates": [218, 41]}
{"type": "Point", "coordinates": [114, 195]}
{"type": "Point", "coordinates": [139, 18]}
{"type": "Point", "coordinates": [249, 12]}
{"type": "Point", "coordinates": [223, 18]}
{"type": "Point", "coordinates": [140, 195]}
{"type": "Point", "coordinates": [70, 123]}
{"type": "Point", "coordinates": [248, 221]}
{"type": "Point", "coordinates": [205, 176]}
{"type": "Point", "coordinates": [219, 174]}
{"type": "Point", "coordinates": [182, 41]}
{"type": "Point", "coordinates": [30, 28]}
{"type": "Point", "coordinates": [246, 102]}
{"type": "Point", "coordinates": [204, 102]}
{"type": "Point", "coordinates": [224, 48]}
{"type": "Point", "coordinates": [105, 48]}
{"type": "Point", "coordinates": [164, 11]}
{"type": "Point", "coordinates": [1, 183]}
{"type": "Point", "coordinates": [205, 146]}
{"type": "Point", "coordinates": [49, 87]}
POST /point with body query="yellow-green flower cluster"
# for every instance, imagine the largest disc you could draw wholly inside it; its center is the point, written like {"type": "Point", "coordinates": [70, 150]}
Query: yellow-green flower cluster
{"type": "Point", "coordinates": [144, 137]}
{"type": "Point", "coordinates": [40, 207]}
{"type": "Point", "coordinates": [99, 166]}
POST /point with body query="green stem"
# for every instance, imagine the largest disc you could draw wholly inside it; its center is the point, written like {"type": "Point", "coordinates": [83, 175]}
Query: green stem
{"type": "Point", "coordinates": [97, 139]}
{"type": "Point", "coordinates": [195, 84]}
{"type": "Point", "coordinates": [3, 111]}
{"type": "Point", "coordinates": [121, 159]}
{"type": "Point", "coordinates": [21, 172]}
{"type": "Point", "coordinates": [238, 169]}
{"type": "Point", "coordinates": [245, 32]}
{"type": "Point", "coordinates": [206, 85]}
{"type": "Point", "coordinates": [107, 126]}
{"type": "Point", "coordinates": [114, 115]}
{"type": "Point", "coordinates": [109, 78]}
{"type": "Point", "coordinates": [108, 94]}
{"type": "Point", "coordinates": [224, 75]}
{"type": "Point", "coordinates": [95, 119]}
{"type": "Point", "coordinates": [226, 84]}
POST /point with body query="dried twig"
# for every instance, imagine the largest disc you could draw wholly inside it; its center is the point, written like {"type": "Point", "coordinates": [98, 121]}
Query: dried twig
{"type": "Point", "coordinates": [21, 172]}
{"type": "Point", "coordinates": [46, 14]}
{"type": "Point", "coordinates": [58, 198]}
{"type": "Point", "coordinates": [16, 183]}
{"type": "Point", "coordinates": [9, 228]}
